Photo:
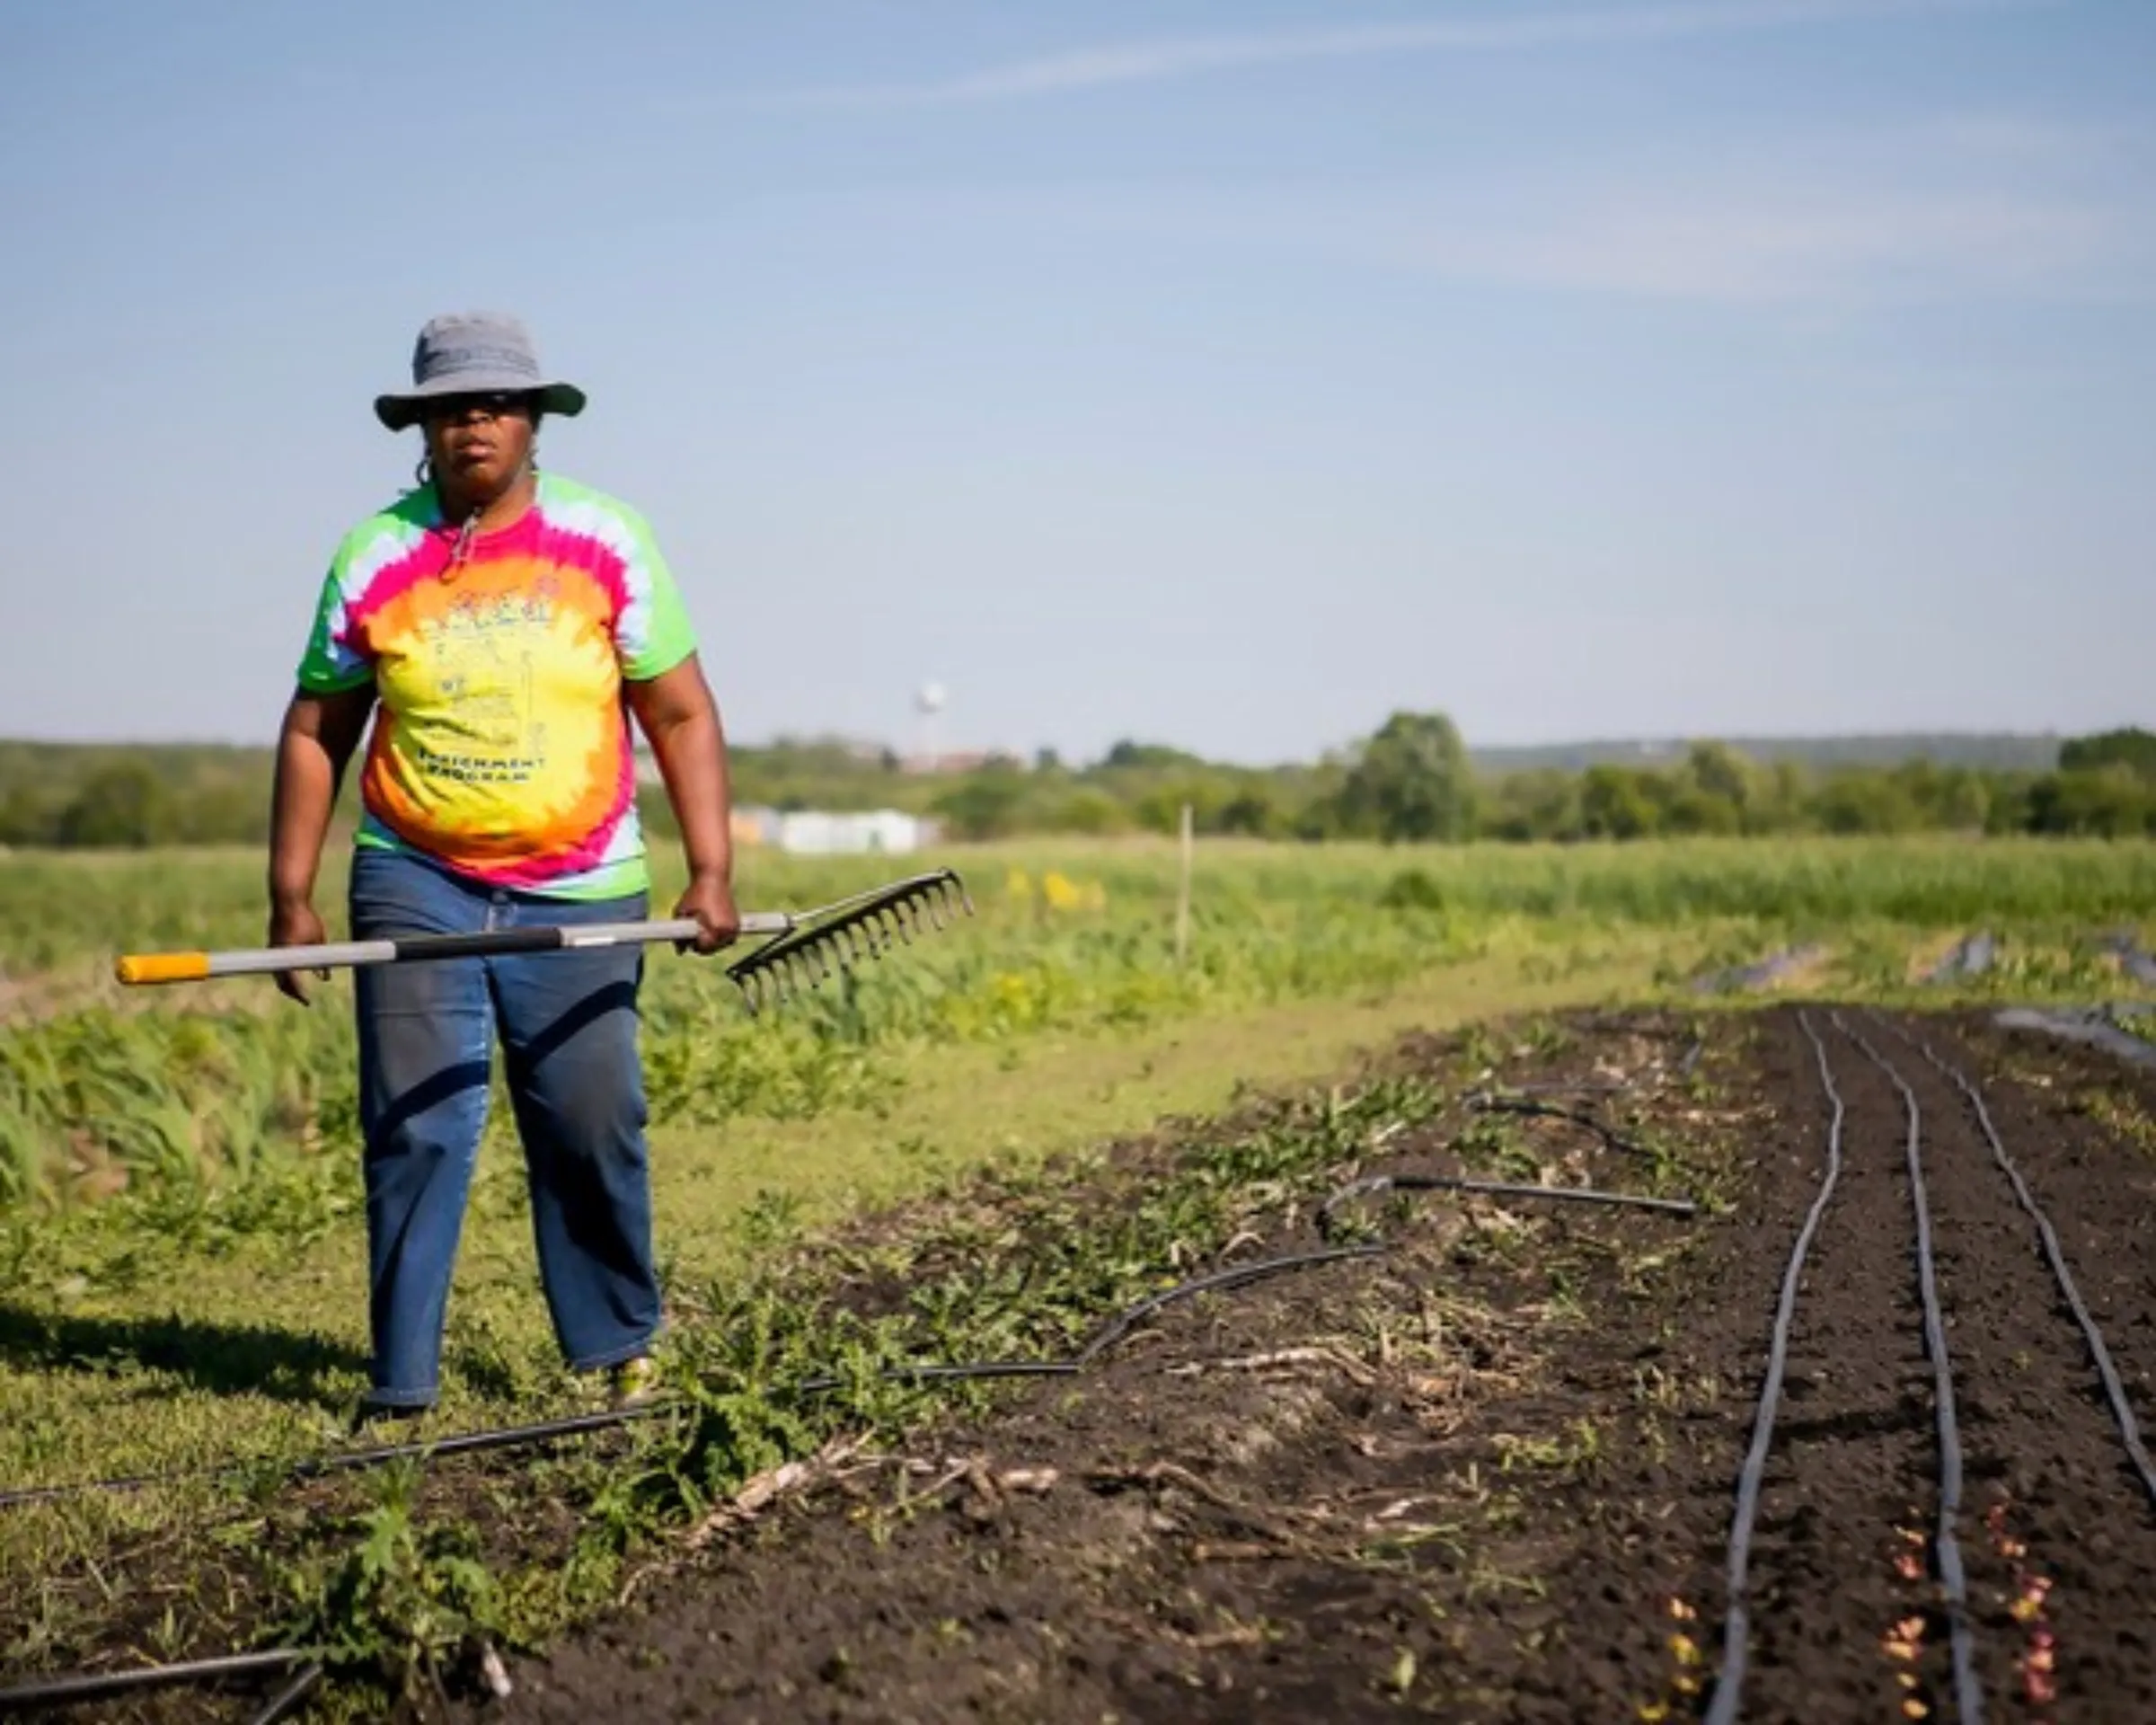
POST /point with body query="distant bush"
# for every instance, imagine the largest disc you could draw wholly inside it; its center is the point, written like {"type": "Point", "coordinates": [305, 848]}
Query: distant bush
{"type": "Point", "coordinates": [1412, 890]}
{"type": "Point", "coordinates": [1411, 781]}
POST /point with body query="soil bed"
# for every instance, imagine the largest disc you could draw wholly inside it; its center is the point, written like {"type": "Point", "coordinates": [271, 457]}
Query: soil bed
{"type": "Point", "coordinates": [1490, 1474]}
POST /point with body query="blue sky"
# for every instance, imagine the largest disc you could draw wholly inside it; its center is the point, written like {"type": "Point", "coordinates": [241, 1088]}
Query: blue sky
{"type": "Point", "coordinates": [1226, 375]}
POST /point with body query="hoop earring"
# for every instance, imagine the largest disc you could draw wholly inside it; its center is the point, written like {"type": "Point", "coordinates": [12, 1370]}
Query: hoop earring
{"type": "Point", "coordinates": [423, 474]}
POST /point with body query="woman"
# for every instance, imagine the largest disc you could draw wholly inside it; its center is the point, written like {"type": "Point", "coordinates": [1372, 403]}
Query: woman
{"type": "Point", "coordinates": [501, 624]}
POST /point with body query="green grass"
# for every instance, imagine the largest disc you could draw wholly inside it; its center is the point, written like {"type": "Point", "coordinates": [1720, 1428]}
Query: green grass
{"type": "Point", "coordinates": [63, 916]}
{"type": "Point", "coordinates": [179, 1097]}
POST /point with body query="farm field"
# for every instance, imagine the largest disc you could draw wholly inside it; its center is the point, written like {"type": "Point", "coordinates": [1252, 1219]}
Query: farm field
{"type": "Point", "coordinates": [982, 1147]}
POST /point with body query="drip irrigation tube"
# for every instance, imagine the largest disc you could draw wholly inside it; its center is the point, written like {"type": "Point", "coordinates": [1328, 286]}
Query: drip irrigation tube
{"type": "Point", "coordinates": [2114, 1389]}
{"type": "Point", "coordinates": [64, 1692]}
{"type": "Point", "coordinates": [1729, 1680]}
{"type": "Point", "coordinates": [1968, 1693]}
{"type": "Point", "coordinates": [1490, 1103]}
{"type": "Point", "coordinates": [350, 1461]}
{"type": "Point", "coordinates": [1220, 1282]}
{"type": "Point", "coordinates": [285, 1701]}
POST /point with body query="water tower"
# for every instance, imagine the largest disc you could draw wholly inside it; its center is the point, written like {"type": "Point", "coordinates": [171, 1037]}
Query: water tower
{"type": "Point", "coordinates": [928, 704]}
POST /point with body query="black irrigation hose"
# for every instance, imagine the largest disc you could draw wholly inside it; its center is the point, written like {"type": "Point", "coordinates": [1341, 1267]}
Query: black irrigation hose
{"type": "Point", "coordinates": [467, 1443]}
{"type": "Point", "coordinates": [62, 1691]}
{"type": "Point", "coordinates": [1241, 1276]}
{"type": "Point", "coordinates": [1487, 1102]}
{"type": "Point", "coordinates": [22, 1496]}
{"type": "Point", "coordinates": [350, 1461]}
{"type": "Point", "coordinates": [1729, 1680]}
{"type": "Point", "coordinates": [285, 1701]}
{"type": "Point", "coordinates": [1968, 1693]}
{"type": "Point", "coordinates": [2114, 1389]}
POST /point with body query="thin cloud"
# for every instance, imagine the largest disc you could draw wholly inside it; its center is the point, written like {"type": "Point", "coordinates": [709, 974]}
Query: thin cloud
{"type": "Point", "coordinates": [1847, 246]}
{"type": "Point", "coordinates": [2043, 213]}
{"type": "Point", "coordinates": [1172, 58]}
{"type": "Point", "coordinates": [1848, 249]}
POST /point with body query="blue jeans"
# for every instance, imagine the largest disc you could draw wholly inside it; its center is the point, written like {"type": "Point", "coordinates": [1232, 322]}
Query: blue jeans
{"type": "Point", "coordinates": [568, 1023]}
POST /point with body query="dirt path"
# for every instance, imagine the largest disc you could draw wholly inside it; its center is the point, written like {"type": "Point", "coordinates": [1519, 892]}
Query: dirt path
{"type": "Point", "coordinates": [1489, 1476]}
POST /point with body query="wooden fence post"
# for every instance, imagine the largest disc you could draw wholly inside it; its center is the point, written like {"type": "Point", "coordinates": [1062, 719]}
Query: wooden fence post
{"type": "Point", "coordinates": [1182, 897]}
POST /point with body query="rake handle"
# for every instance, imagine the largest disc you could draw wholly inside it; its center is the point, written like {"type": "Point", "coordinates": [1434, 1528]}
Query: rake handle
{"type": "Point", "coordinates": [136, 969]}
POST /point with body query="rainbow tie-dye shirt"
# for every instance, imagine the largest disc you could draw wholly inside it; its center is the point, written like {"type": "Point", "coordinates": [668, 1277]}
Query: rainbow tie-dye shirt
{"type": "Point", "coordinates": [501, 745]}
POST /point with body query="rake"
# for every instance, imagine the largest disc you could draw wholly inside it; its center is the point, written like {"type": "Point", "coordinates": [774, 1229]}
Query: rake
{"type": "Point", "coordinates": [802, 949]}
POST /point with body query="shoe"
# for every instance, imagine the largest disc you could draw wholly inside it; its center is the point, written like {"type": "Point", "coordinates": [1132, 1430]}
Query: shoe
{"type": "Point", "coordinates": [375, 1418]}
{"type": "Point", "coordinates": [634, 1382]}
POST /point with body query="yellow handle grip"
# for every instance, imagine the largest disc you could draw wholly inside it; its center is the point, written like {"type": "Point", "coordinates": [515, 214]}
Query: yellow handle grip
{"type": "Point", "coordinates": [162, 967]}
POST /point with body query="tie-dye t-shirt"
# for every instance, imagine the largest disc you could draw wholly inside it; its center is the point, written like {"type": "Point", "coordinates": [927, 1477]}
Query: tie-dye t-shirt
{"type": "Point", "coordinates": [502, 745]}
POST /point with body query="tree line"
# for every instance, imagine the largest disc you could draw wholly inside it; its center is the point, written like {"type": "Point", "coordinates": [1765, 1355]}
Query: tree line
{"type": "Point", "coordinates": [1410, 779]}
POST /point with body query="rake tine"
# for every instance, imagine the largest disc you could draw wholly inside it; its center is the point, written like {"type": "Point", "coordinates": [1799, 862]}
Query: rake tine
{"type": "Point", "coordinates": [832, 942]}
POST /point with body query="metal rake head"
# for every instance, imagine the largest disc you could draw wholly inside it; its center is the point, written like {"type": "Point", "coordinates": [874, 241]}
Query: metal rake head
{"type": "Point", "coordinates": [839, 936]}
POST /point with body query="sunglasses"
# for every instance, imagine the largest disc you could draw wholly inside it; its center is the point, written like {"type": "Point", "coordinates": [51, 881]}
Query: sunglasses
{"type": "Point", "coordinates": [497, 404]}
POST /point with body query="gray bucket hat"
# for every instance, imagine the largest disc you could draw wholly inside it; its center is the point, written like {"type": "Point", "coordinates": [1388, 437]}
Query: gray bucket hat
{"type": "Point", "coordinates": [475, 353]}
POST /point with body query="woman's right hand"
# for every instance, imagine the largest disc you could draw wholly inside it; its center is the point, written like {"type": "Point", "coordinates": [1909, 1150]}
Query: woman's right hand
{"type": "Point", "coordinates": [295, 924]}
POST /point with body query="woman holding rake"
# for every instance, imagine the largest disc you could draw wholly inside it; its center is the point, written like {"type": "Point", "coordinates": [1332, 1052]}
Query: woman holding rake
{"type": "Point", "coordinates": [501, 625]}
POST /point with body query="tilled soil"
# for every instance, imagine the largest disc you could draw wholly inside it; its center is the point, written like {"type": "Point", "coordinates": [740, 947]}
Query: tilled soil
{"type": "Point", "coordinates": [1490, 1474]}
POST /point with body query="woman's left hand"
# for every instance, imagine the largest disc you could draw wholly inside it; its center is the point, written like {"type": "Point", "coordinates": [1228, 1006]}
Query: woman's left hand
{"type": "Point", "coordinates": [710, 899]}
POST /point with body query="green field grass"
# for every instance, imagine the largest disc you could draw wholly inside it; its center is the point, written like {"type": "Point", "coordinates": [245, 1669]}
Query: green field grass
{"type": "Point", "coordinates": [185, 1097]}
